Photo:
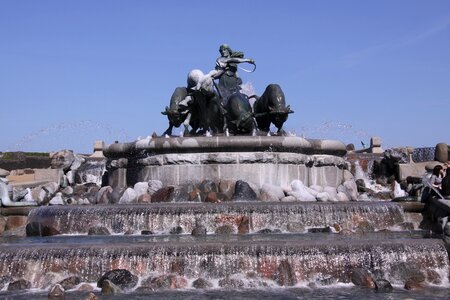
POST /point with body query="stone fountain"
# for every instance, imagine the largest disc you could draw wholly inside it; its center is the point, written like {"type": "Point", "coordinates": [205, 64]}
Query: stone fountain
{"type": "Point", "coordinates": [244, 213]}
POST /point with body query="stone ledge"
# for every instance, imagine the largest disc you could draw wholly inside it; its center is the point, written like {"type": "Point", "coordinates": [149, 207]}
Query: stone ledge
{"type": "Point", "coordinates": [203, 144]}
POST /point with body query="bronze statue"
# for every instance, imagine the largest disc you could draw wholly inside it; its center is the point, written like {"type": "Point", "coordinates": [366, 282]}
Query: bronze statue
{"type": "Point", "coordinates": [207, 107]}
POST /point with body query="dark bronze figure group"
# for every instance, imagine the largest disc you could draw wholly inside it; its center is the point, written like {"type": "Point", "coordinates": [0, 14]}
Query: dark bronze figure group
{"type": "Point", "coordinates": [207, 106]}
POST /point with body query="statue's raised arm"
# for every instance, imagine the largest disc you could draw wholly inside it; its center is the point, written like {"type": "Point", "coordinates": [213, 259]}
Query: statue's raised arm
{"type": "Point", "coordinates": [226, 70]}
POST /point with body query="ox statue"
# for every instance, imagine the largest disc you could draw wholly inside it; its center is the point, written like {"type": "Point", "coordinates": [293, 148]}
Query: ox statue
{"type": "Point", "coordinates": [239, 115]}
{"type": "Point", "coordinates": [178, 112]}
{"type": "Point", "coordinates": [271, 108]}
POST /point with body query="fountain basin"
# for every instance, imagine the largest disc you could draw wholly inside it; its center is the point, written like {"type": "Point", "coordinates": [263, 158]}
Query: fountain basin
{"type": "Point", "coordinates": [307, 261]}
{"type": "Point", "coordinates": [258, 159]}
{"type": "Point", "coordinates": [162, 217]}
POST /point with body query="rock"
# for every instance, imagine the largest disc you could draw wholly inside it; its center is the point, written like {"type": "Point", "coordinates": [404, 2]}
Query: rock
{"type": "Point", "coordinates": [362, 277]}
{"type": "Point", "coordinates": [300, 191]}
{"type": "Point", "coordinates": [383, 286]}
{"type": "Point", "coordinates": [285, 275]}
{"type": "Point", "coordinates": [16, 232]}
{"type": "Point", "coordinates": [244, 225]}
{"type": "Point", "coordinates": [331, 191]}
{"type": "Point", "coordinates": [14, 222]}
{"type": "Point", "coordinates": [365, 226]}
{"type": "Point", "coordinates": [323, 197]}
{"type": "Point", "coordinates": [295, 227]}
{"type": "Point", "coordinates": [225, 230]}
{"type": "Point", "coordinates": [128, 197]}
{"type": "Point", "coordinates": [211, 197]}
{"type": "Point", "coordinates": [195, 195]}
{"type": "Point", "coordinates": [415, 284]}
{"type": "Point", "coordinates": [170, 281]}
{"type": "Point", "coordinates": [62, 159]}
{"type": "Point", "coordinates": [230, 283]}
{"type": "Point", "coordinates": [348, 175]}
{"type": "Point", "coordinates": [98, 230]}
{"type": "Point", "coordinates": [153, 186]}
{"type": "Point", "coordinates": [181, 192]}
{"type": "Point", "coordinates": [273, 190]}
{"type": "Point", "coordinates": [199, 231]}
{"type": "Point", "coordinates": [109, 288]}
{"type": "Point", "coordinates": [144, 198]}
{"type": "Point", "coordinates": [403, 271]}
{"type": "Point", "coordinates": [38, 229]}
{"type": "Point", "coordinates": [208, 186]}
{"type": "Point", "coordinates": [5, 279]}
{"type": "Point", "coordinates": [120, 277]}
{"type": "Point", "coordinates": [70, 282]}
{"type": "Point", "coordinates": [243, 192]}
{"type": "Point", "coordinates": [4, 173]}
{"type": "Point", "coordinates": [104, 195]}
{"type": "Point", "coordinates": [268, 197]}
{"type": "Point", "coordinates": [227, 187]}
{"type": "Point", "coordinates": [202, 283]}
{"type": "Point", "coordinates": [433, 276]}
{"type": "Point", "coordinates": [57, 200]}
{"type": "Point", "coordinates": [351, 190]}
{"type": "Point", "coordinates": [176, 230]}
{"type": "Point", "coordinates": [146, 232]}
{"type": "Point", "coordinates": [360, 185]}
{"type": "Point", "coordinates": [19, 285]}
{"type": "Point", "coordinates": [441, 152]}
{"type": "Point", "coordinates": [163, 194]}
{"type": "Point", "coordinates": [341, 196]}
{"type": "Point", "coordinates": [86, 287]}
{"type": "Point", "coordinates": [56, 292]}
{"type": "Point", "coordinates": [141, 188]}
{"type": "Point", "coordinates": [67, 191]}
{"type": "Point", "coordinates": [91, 296]}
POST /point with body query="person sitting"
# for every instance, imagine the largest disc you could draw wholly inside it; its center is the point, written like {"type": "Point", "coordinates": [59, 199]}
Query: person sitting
{"type": "Point", "coordinates": [445, 184]}
{"type": "Point", "coordinates": [436, 177]}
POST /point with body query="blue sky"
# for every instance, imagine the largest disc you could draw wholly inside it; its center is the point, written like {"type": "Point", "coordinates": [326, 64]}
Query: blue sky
{"type": "Point", "coordinates": [72, 72]}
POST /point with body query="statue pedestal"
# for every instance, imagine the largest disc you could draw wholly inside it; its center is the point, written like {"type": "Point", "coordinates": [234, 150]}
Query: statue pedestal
{"type": "Point", "coordinates": [274, 160]}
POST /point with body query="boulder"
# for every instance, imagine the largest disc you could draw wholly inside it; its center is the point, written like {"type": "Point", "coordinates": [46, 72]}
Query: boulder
{"type": "Point", "coordinates": [128, 197]}
{"type": "Point", "coordinates": [56, 292]}
{"type": "Point", "coordinates": [202, 283]}
{"type": "Point", "coordinates": [323, 197]}
{"type": "Point", "coordinates": [211, 197]}
{"type": "Point", "coordinates": [144, 198]}
{"type": "Point", "coordinates": [243, 192]}
{"type": "Point", "coordinates": [19, 285]}
{"type": "Point", "coordinates": [92, 296]}
{"type": "Point", "coordinates": [38, 229]}
{"type": "Point", "coordinates": [163, 194]}
{"type": "Point", "coordinates": [415, 283]}
{"type": "Point", "coordinates": [331, 191]}
{"type": "Point", "coordinates": [207, 186]}
{"type": "Point", "coordinates": [244, 225]}
{"type": "Point", "coordinates": [4, 173]}
{"type": "Point", "coordinates": [225, 230]}
{"type": "Point", "coordinates": [285, 274]}
{"type": "Point", "coordinates": [57, 200]}
{"type": "Point", "coordinates": [162, 282]}
{"type": "Point", "coordinates": [124, 279]}
{"type": "Point", "coordinates": [383, 286]}
{"type": "Point", "coordinates": [70, 282]}
{"type": "Point", "coordinates": [199, 231]}
{"type": "Point", "coordinates": [15, 222]}
{"type": "Point", "coordinates": [146, 232]}
{"type": "Point", "coordinates": [104, 195]}
{"type": "Point", "coordinates": [109, 288]}
{"type": "Point", "coordinates": [362, 277]}
{"type": "Point", "coordinates": [141, 188]}
{"type": "Point", "coordinates": [154, 185]}
{"type": "Point", "coordinates": [295, 227]}
{"type": "Point", "coordinates": [227, 187]}
{"type": "Point", "coordinates": [301, 192]}
{"type": "Point", "coordinates": [176, 230]}
{"type": "Point", "coordinates": [86, 287]}
{"type": "Point", "coordinates": [288, 199]}
{"type": "Point", "coordinates": [98, 230]}
{"type": "Point", "coordinates": [276, 192]}
{"type": "Point", "coordinates": [62, 159]}
{"type": "Point", "coordinates": [230, 283]}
